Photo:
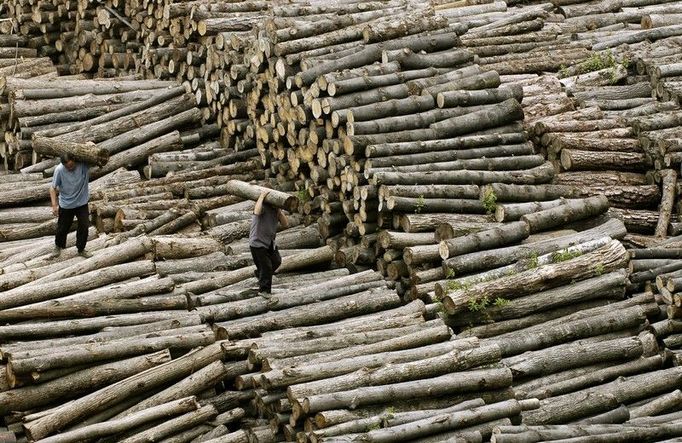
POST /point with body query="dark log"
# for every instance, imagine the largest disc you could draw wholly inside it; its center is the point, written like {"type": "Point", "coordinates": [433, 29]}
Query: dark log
{"type": "Point", "coordinates": [547, 334]}
{"type": "Point", "coordinates": [581, 160]}
{"type": "Point", "coordinates": [572, 355]}
{"type": "Point", "coordinates": [557, 409]}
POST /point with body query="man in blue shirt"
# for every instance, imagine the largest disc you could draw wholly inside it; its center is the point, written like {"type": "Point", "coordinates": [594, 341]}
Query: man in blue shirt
{"type": "Point", "coordinates": [70, 181]}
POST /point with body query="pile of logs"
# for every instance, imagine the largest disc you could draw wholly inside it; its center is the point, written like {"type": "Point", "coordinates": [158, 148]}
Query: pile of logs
{"type": "Point", "coordinates": [456, 262]}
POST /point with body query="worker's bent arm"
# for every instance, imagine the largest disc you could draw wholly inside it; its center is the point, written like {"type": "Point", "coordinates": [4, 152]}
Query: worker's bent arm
{"type": "Point", "coordinates": [53, 198]}
{"type": "Point", "coordinates": [282, 219]}
{"type": "Point", "coordinates": [258, 208]}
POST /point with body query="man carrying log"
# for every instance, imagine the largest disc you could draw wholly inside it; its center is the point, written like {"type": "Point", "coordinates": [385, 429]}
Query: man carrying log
{"type": "Point", "coordinates": [70, 182]}
{"type": "Point", "coordinates": [262, 242]}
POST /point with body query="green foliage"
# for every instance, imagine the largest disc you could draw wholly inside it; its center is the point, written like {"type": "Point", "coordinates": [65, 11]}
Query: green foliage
{"type": "Point", "coordinates": [450, 273]}
{"type": "Point", "coordinates": [374, 427]}
{"type": "Point", "coordinates": [599, 269]}
{"type": "Point", "coordinates": [457, 286]}
{"type": "Point", "coordinates": [303, 195]}
{"type": "Point", "coordinates": [489, 201]}
{"type": "Point", "coordinates": [499, 302]}
{"type": "Point", "coordinates": [598, 61]}
{"type": "Point", "coordinates": [478, 305]}
{"type": "Point", "coordinates": [533, 261]}
{"type": "Point", "coordinates": [565, 255]}
{"type": "Point", "coordinates": [390, 410]}
{"type": "Point", "coordinates": [419, 205]}
{"type": "Point", "coordinates": [563, 71]}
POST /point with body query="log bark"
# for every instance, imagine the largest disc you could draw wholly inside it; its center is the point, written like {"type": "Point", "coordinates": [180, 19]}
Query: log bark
{"type": "Point", "coordinates": [572, 355]}
{"type": "Point", "coordinates": [611, 257]}
{"type": "Point", "coordinates": [64, 357]}
{"type": "Point", "coordinates": [449, 421]}
{"type": "Point", "coordinates": [611, 285]}
{"type": "Point", "coordinates": [572, 211]}
{"type": "Point", "coordinates": [495, 258]}
{"type": "Point", "coordinates": [69, 413]}
{"type": "Point", "coordinates": [175, 425]}
{"type": "Point", "coordinates": [489, 239]}
{"type": "Point", "coordinates": [252, 192]}
{"type": "Point", "coordinates": [585, 160]}
{"type": "Point", "coordinates": [84, 152]}
{"type": "Point", "coordinates": [669, 178]}
{"type": "Point", "coordinates": [89, 280]}
{"type": "Point", "coordinates": [74, 384]}
{"type": "Point", "coordinates": [113, 427]}
{"type": "Point", "coordinates": [447, 384]}
{"type": "Point", "coordinates": [306, 373]}
{"type": "Point", "coordinates": [519, 341]}
{"type": "Point", "coordinates": [557, 409]}
{"type": "Point", "coordinates": [595, 377]}
{"type": "Point", "coordinates": [399, 372]}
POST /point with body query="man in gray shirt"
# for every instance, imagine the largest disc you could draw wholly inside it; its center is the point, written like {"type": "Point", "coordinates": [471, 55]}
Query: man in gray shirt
{"type": "Point", "coordinates": [262, 242]}
{"type": "Point", "coordinates": [70, 181]}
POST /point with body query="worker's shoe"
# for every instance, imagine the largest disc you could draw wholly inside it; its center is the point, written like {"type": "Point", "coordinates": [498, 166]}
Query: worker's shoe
{"type": "Point", "coordinates": [56, 252]}
{"type": "Point", "coordinates": [85, 253]}
{"type": "Point", "coordinates": [266, 295]}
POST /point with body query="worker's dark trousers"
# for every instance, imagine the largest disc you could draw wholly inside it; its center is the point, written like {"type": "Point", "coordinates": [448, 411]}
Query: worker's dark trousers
{"type": "Point", "coordinates": [267, 261]}
{"type": "Point", "coordinates": [64, 224]}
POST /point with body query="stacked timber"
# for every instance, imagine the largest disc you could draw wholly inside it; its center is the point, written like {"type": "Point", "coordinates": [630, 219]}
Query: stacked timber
{"type": "Point", "coordinates": [127, 120]}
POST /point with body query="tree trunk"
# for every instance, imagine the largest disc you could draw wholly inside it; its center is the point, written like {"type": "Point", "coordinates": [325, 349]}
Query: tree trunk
{"type": "Point", "coordinates": [35, 293]}
{"type": "Point", "coordinates": [595, 377]}
{"type": "Point", "coordinates": [27, 362]}
{"type": "Point", "coordinates": [274, 198]}
{"type": "Point", "coordinates": [174, 425]}
{"type": "Point", "coordinates": [611, 257]}
{"type": "Point", "coordinates": [669, 178]}
{"type": "Point", "coordinates": [572, 355]}
{"type": "Point", "coordinates": [604, 397]}
{"type": "Point", "coordinates": [550, 334]}
{"type": "Point", "coordinates": [84, 152]}
{"type": "Point", "coordinates": [446, 384]}
{"type": "Point", "coordinates": [113, 427]}
{"type": "Point", "coordinates": [611, 285]}
{"type": "Point", "coordinates": [495, 258]}
{"type": "Point", "coordinates": [448, 421]}
{"type": "Point", "coordinates": [311, 314]}
{"type": "Point", "coordinates": [429, 222]}
{"type": "Point", "coordinates": [572, 211]}
{"type": "Point", "coordinates": [110, 395]}
{"type": "Point", "coordinates": [452, 144]}
{"type": "Point", "coordinates": [537, 175]}
{"type": "Point", "coordinates": [581, 160]}
{"type": "Point", "coordinates": [306, 373]}
{"type": "Point", "coordinates": [490, 239]}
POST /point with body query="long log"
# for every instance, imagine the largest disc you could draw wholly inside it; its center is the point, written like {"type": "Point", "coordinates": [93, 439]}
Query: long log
{"type": "Point", "coordinates": [84, 152]}
{"type": "Point", "coordinates": [446, 384]}
{"type": "Point", "coordinates": [109, 396]}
